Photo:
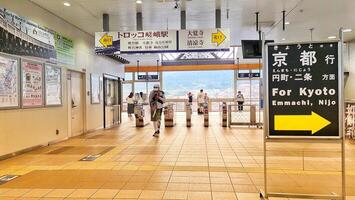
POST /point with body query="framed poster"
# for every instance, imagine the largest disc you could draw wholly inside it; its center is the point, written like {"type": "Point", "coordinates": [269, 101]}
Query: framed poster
{"type": "Point", "coordinates": [95, 89]}
{"type": "Point", "coordinates": [9, 82]}
{"type": "Point", "coordinates": [32, 84]}
{"type": "Point", "coordinates": [53, 85]}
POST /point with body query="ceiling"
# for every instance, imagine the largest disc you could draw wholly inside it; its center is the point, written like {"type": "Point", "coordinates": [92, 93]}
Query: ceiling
{"type": "Point", "coordinates": [325, 16]}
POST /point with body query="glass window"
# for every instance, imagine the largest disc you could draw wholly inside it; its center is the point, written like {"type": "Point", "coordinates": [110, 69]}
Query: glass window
{"type": "Point", "coordinates": [128, 76]}
{"type": "Point", "coordinates": [250, 90]}
{"type": "Point", "coordinates": [217, 84]}
{"type": "Point", "coordinates": [140, 87]}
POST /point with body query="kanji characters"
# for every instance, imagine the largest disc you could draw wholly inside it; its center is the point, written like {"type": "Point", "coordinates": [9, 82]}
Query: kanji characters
{"type": "Point", "coordinates": [308, 58]}
{"type": "Point", "coordinates": [279, 59]}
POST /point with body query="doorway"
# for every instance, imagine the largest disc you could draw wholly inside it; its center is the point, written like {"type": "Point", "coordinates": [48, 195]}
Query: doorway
{"type": "Point", "coordinates": [76, 103]}
{"type": "Point", "coordinates": [112, 101]}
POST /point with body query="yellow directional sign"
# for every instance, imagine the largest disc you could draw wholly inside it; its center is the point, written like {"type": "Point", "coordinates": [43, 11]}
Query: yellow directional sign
{"type": "Point", "coordinates": [218, 37]}
{"type": "Point", "coordinates": [313, 122]}
{"type": "Point", "coordinates": [106, 40]}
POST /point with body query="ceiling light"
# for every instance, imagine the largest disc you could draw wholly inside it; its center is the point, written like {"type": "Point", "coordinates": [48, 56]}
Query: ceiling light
{"type": "Point", "coordinates": [332, 37]}
{"type": "Point", "coordinates": [287, 23]}
{"type": "Point", "coordinates": [283, 39]}
{"type": "Point", "coordinates": [67, 4]}
{"type": "Point", "coordinates": [347, 30]}
{"type": "Point", "coordinates": [139, 2]}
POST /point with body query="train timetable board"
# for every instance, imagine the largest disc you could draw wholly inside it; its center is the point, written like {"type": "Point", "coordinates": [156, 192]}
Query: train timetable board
{"type": "Point", "coordinates": [303, 87]}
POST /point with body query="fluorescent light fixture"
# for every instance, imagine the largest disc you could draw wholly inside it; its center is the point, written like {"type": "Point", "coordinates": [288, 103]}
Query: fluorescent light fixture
{"type": "Point", "coordinates": [139, 2]}
{"type": "Point", "coordinates": [347, 30]}
{"type": "Point", "coordinates": [283, 39]}
{"type": "Point", "coordinates": [67, 4]}
{"type": "Point", "coordinates": [287, 23]}
{"type": "Point", "coordinates": [332, 37]}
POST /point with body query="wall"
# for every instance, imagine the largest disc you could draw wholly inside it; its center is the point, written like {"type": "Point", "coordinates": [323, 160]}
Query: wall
{"type": "Point", "coordinates": [25, 128]}
{"type": "Point", "coordinates": [350, 67]}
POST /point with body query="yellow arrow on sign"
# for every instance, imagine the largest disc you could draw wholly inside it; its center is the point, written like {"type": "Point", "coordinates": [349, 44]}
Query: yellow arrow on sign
{"type": "Point", "coordinates": [218, 37]}
{"type": "Point", "coordinates": [106, 40]}
{"type": "Point", "coordinates": [313, 122]}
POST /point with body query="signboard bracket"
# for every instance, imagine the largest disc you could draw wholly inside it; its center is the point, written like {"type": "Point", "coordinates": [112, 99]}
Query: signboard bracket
{"type": "Point", "coordinates": [264, 193]}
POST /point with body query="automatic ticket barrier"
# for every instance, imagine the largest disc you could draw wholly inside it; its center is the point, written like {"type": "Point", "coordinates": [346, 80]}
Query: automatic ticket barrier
{"type": "Point", "coordinates": [141, 114]}
{"type": "Point", "coordinates": [169, 115]}
{"type": "Point", "coordinates": [188, 115]}
{"type": "Point", "coordinates": [224, 115]}
{"type": "Point", "coordinates": [205, 115]}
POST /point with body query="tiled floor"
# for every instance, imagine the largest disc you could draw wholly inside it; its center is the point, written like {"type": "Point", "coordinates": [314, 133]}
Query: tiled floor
{"type": "Point", "coordinates": [194, 163]}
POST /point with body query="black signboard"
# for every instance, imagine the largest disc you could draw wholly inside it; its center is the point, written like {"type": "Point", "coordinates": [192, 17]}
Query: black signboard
{"type": "Point", "coordinates": [249, 75]}
{"type": "Point", "coordinates": [148, 77]}
{"type": "Point", "coordinates": [303, 90]}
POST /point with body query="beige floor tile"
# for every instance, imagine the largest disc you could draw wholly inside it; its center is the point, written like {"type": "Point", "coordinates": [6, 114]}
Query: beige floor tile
{"type": "Point", "coordinates": [224, 196]}
{"type": "Point", "coordinates": [82, 193]}
{"type": "Point", "coordinates": [37, 193]}
{"type": "Point", "coordinates": [105, 193]}
{"type": "Point", "coordinates": [14, 193]}
{"type": "Point", "coordinates": [59, 193]}
{"type": "Point", "coordinates": [248, 196]}
{"type": "Point", "coordinates": [151, 194]}
{"type": "Point", "coordinates": [199, 195]}
{"type": "Point", "coordinates": [178, 195]}
{"type": "Point", "coordinates": [128, 194]}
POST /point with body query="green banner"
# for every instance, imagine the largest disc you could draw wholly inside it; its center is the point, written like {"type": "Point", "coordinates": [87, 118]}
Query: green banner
{"type": "Point", "coordinates": [65, 49]}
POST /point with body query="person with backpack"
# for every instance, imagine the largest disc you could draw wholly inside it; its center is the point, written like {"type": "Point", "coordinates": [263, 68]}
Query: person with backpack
{"type": "Point", "coordinates": [240, 100]}
{"type": "Point", "coordinates": [156, 102]}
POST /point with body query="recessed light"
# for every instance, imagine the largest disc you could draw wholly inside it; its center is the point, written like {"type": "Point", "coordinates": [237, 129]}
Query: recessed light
{"type": "Point", "coordinates": [287, 23]}
{"type": "Point", "coordinates": [67, 4]}
{"type": "Point", "coordinates": [347, 30]}
{"type": "Point", "coordinates": [332, 37]}
{"type": "Point", "coordinates": [283, 39]}
{"type": "Point", "coordinates": [139, 2]}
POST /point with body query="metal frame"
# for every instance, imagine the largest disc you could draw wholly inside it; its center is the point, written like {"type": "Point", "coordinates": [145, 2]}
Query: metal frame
{"type": "Point", "coordinates": [45, 85]}
{"type": "Point", "coordinates": [19, 94]}
{"type": "Point", "coordinates": [229, 116]}
{"type": "Point", "coordinates": [340, 140]}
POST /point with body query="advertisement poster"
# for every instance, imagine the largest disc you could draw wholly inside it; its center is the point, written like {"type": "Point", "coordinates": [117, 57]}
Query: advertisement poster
{"type": "Point", "coordinates": [95, 89]}
{"type": "Point", "coordinates": [53, 84]}
{"type": "Point", "coordinates": [204, 39]}
{"type": "Point", "coordinates": [9, 82]}
{"type": "Point", "coordinates": [32, 84]}
{"type": "Point", "coordinates": [148, 41]}
{"type": "Point", "coordinates": [64, 47]}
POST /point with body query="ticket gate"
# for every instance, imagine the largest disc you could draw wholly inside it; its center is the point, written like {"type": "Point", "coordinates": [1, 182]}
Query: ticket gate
{"type": "Point", "coordinates": [169, 115]}
{"type": "Point", "coordinates": [140, 112]}
{"type": "Point", "coordinates": [188, 115]}
{"type": "Point", "coordinates": [205, 115]}
{"type": "Point", "coordinates": [224, 115]}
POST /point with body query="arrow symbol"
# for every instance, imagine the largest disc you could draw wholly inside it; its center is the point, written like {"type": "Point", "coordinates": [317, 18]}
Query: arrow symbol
{"type": "Point", "coordinates": [106, 40]}
{"type": "Point", "coordinates": [218, 37]}
{"type": "Point", "coordinates": [313, 122]}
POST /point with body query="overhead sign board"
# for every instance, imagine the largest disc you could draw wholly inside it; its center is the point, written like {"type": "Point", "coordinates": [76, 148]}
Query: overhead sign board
{"type": "Point", "coordinates": [303, 87]}
{"type": "Point", "coordinates": [148, 77]}
{"type": "Point", "coordinates": [107, 43]}
{"type": "Point", "coordinates": [148, 41]}
{"type": "Point", "coordinates": [204, 39]}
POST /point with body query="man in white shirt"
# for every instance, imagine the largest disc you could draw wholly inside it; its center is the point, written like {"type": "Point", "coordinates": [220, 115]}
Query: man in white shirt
{"type": "Point", "coordinates": [156, 102]}
{"type": "Point", "coordinates": [200, 101]}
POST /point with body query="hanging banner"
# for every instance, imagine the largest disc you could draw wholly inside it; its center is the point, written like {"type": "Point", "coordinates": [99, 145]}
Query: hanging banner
{"type": "Point", "coordinates": [32, 84]}
{"type": "Point", "coordinates": [9, 82]}
{"type": "Point", "coordinates": [53, 77]}
{"type": "Point", "coordinates": [204, 39]}
{"type": "Point", "coordinates": [107, 43]}
{"type": "Point", "coordinates": [148, 41]}
{"type": "Point", "coordinates": [64, 47]}
{"type": "Point", "coordinates": [303, 90]}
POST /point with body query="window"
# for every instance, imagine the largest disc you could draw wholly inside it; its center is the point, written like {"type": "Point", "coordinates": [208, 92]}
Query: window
{"type": "Point", "coordinates": [250, 90]}
{"type": "Point", "coordinates": [128, 76]}
{"type": "Point", "coordinates": [127, 88]}
{"type": "Point", "coordinates": [217, 84]}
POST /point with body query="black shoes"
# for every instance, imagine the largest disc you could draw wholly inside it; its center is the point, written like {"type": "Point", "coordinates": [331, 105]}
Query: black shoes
{"type": "Point", "coordinates": [156, 134]}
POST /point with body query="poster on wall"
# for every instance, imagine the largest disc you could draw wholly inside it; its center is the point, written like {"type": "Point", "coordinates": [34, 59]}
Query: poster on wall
{"type": "Point", "coordinates": [64, 47]}
{"type": "Point", "coordinates": [32, 84]}
{"type": "Point", "coordinates": [9, 82]}
{"type": "Point", "coordinates": [95, 89]}
{"type": "Point", "coordinates": [53, 85]}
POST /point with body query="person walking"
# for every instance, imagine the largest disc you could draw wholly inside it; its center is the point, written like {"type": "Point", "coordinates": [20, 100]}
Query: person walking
{"type": "Point", "coordinates": [156, 102]}
{"type": "Point", "coordinates": [189, 95]}
{"type": "Point", "coordinates": [240, 100]}
{"type": "Point", "coordinates": [130, 104]}
{"type": "Point", "coordinates": [200, 101]}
